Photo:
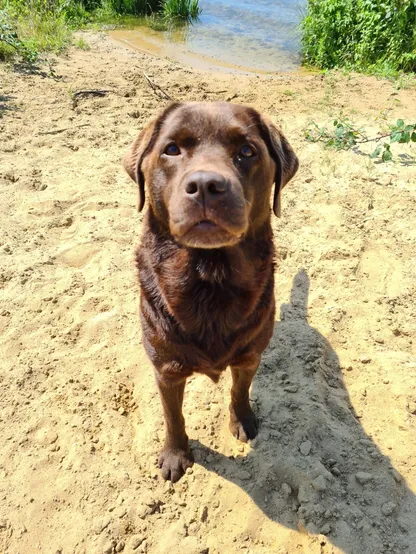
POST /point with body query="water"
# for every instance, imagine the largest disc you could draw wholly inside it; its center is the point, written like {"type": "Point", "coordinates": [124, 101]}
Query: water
{"type": "Point", "coordinates": [259, 36]}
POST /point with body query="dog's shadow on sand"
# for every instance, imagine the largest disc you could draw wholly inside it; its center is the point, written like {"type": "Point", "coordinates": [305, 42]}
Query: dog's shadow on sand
{"type": "Point", "coordinates": [313, 467]}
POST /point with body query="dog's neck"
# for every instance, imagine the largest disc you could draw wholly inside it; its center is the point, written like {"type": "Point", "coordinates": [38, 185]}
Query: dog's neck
{"type": "Point", "coordinates": [235, 265]}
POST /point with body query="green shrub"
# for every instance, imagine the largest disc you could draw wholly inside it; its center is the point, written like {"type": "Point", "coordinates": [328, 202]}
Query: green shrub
{"type": "Point", "coordinates": [344, 135]}
{"type": "Point", "coordinates": [11, 43]}
{"type": "Point", "coordinates": [35, 26]}
{"type": "Point", "coordinates": [6, 52]}
{"type": "Point", "coordinates": [44, 32]}
{"type": "Point", "coordinates": [360, 34]}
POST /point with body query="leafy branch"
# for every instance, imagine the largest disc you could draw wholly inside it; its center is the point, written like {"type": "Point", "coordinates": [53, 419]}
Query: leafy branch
{"type": "Point", "coordinates": [344, 135]}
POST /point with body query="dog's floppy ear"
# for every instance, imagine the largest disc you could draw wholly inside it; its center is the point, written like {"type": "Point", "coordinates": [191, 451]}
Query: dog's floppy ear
{"type": "Point", "coordinates": [283, 156]}
{"type": "Point", "coordinates": [141, 147]}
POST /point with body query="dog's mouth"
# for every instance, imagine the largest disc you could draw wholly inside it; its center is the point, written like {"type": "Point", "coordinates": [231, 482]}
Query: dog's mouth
{"type": "Point", "coordinates": [208, 234]}
{"type": "Point", "coordinates": [205, 225]}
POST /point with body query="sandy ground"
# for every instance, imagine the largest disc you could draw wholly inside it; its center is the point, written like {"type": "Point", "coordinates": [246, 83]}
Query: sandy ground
{"type": "Point", "coordinates": [334, 467]}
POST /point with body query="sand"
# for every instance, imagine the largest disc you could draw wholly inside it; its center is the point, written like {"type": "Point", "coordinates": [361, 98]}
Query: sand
{"type": "Point", "coordinates": [333, 469]}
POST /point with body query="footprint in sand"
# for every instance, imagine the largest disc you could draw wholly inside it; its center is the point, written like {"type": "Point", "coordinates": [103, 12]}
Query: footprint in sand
{"type": "Point", "coordinates": [79, 255]}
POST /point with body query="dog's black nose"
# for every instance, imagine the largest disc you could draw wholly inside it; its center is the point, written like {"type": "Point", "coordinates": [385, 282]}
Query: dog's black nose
{"type": "Point", "coordinates": [205, 184]}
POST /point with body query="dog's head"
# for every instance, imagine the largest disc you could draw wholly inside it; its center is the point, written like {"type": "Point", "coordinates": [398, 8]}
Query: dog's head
{"type": "Point", "coordinates": [209, 169]}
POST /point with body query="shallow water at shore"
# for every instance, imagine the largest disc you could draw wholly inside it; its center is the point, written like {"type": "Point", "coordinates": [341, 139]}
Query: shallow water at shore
{"type": "Point", "coordinates": [249, 36]}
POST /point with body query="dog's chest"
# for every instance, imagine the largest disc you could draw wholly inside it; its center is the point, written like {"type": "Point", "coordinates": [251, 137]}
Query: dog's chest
{"type": "Point", "coordinates": [212, 291]}
{"type": "Point", "coordinates": [213, 321]}
{"type": "Point", "coordinates": [203, 308]}
{"type": "Point", "coordinates": [209, 310]}
{"type": "Point", "coordinates": [212, 307]}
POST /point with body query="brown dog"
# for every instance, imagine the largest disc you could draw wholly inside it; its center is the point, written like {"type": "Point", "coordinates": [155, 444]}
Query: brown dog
{"type": "Point", "coordinates": [206, 256]}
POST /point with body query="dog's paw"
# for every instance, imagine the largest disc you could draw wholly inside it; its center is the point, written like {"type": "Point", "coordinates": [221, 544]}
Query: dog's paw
{"type": "Point", "coordinates": [173, 463]}
{"type": "Point", "coordinates": [245, 427]}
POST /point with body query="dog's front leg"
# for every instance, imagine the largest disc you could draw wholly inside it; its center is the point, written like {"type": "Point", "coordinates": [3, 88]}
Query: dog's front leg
{"type": "Point", "coordinates": [243, 423]}
{"type": "Point", "coordinates": [175, 457]}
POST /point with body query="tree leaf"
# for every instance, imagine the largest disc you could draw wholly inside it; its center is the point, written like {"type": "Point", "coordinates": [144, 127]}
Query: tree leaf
{"type": "Point", "coordinates": [396, 136]}
{"type": "Point", "coordinates": [405, 137]}
{"type": "Point", "coordinates": [376, 152]}
{"type": "Point", "coordinates": [387, 156]}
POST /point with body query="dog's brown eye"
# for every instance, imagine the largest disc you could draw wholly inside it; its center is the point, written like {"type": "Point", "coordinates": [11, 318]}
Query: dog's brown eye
{"type": "Point", "coordinates": [247, 151]}
{"type": "Point", "coordinates": [172, 150]}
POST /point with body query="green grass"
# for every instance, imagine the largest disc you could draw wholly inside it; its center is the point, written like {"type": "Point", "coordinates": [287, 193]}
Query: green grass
{"type": "Point", "coordinates": [33, 27]}
{"type": "Point", "coordinates": [82, 44]}
{"type": "Point", "coordinates": [158, 22]}
{"type": "Point", "coordinates": [44, 34]}
{"type": "Point", "coordinates": [132, 7]}
{"type": "Point", "coordinates": [29, 28]}
{"type": "Point", "coordinates": [187, 10]}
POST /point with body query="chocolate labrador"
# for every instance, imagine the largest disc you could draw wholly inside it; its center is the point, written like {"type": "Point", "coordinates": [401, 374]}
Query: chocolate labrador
{"type": "Point", "coordinates": [206, 255]}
